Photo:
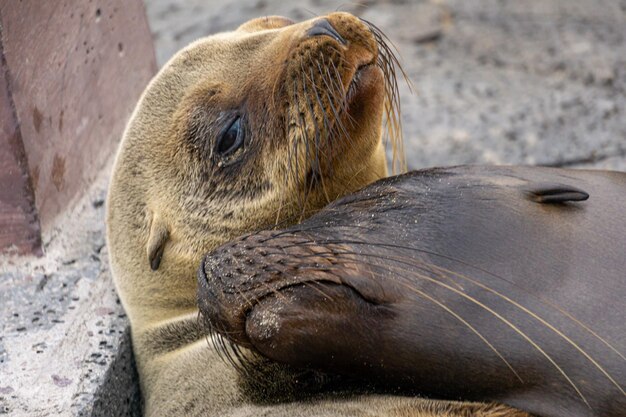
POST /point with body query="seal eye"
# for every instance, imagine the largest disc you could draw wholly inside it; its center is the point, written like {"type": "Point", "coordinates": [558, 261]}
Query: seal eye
{"type": "Point", "coordinates": [231, 139]}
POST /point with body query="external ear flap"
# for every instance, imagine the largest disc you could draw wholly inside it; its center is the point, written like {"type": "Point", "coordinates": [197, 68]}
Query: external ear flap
{"type": "Point", "coordinates": [156, 241]}
{"type": "Point", "coordinates": [553, 193]}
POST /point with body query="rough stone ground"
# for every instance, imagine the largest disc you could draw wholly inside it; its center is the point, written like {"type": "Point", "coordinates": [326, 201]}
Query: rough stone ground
{"type": "Point", "coordinates": [65, 345]}
{"type": "Point", "coordinates": [498, 82]}
{"type": "Point", "coordinates": [532, 82]}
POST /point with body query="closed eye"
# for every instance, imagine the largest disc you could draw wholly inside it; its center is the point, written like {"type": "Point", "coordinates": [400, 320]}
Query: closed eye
{"type": "Point", "coordinates": [231, 139]}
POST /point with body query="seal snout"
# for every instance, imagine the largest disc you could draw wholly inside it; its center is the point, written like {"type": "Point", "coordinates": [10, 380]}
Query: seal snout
{"type": "Point", "coordinates": [277, 293]}
{"type": "Point", "coordinates": [322, 27]}
{"type": "Point", "coordinates": [310, 324]}
{"type": "Point", "coordinates": [234, 278]}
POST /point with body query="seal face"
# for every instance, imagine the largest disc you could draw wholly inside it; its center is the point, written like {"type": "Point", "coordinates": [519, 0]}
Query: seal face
{"type": "Point", "coordinates": [239, 131]}
{"type": "Point", "coordinates": [480, 283]}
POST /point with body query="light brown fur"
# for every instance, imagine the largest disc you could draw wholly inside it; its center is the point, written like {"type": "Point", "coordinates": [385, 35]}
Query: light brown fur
{"type": "Point", "coordinates": [172, 200]}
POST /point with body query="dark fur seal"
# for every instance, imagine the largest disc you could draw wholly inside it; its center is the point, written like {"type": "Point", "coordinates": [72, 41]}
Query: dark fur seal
{"type": "Point", "coordinates": [499, 284]}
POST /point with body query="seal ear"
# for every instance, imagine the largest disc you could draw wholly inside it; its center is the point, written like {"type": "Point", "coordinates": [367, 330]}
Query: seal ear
{"type": "Point", "coordinates": [156, 241]}
{"type": "Point", "coordinates": [554, 193]}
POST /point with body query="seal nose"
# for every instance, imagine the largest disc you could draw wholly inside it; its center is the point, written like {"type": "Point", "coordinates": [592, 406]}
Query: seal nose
{"type": "Point", "coordinates": [323, 27]}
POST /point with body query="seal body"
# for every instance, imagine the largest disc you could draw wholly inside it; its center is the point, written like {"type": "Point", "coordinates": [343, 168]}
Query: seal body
{"type": "Point", "coordinates": [242, 130]}
{"type": "Point", "coordinates": [499, 284]}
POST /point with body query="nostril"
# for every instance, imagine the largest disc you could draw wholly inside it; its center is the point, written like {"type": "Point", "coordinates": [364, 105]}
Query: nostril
{"type": "Point", "coordinates": [323, 27]}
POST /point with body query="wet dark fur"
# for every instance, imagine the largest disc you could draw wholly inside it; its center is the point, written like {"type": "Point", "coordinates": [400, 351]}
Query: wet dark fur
{"type": "Point", "coordinates": [476, 283]}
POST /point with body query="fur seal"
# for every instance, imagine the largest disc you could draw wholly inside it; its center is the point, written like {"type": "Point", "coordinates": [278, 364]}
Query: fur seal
{"type": "Point", "coordinates": [262, 125]}
{"type": "Point", "coordinates": [502, 284]}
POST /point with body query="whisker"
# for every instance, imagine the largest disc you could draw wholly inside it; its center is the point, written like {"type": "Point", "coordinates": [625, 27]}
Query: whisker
{"type": "Point", "coordinates": [295, 146]}
{"type": "Point", "coordinates": [311, 115]}
{"type": "Point", "coordinates": [417, 291]}
{"type": "Point", "coordinates": [326, 139]}
{"type": "Point", "coordinates": [499, 317]}
{"type": "Point", "coordinates": [542, 321]}
{"type": "Point", "coordinates": [316, 286]}
{"type": "Point", "coordinates": [539, 298]}
{"type": "Point", "coordinates": [458, 317]}
{"type": "Point", "coordinates": [337, 115]}
{"type": "Point", "coordinates": [388, 62]}
{"type": "Point", "coordinates": [472, 299]}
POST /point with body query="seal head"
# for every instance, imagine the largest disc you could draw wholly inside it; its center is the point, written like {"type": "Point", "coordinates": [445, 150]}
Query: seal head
{"type": "Point", "coordinates": [479, 283]}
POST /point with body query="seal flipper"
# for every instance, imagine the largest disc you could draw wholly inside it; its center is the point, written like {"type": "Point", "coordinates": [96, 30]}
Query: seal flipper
{"type": "Point", "coordinates": [156, 241]}
{"type": "Point", "coordinates": [555, 193]}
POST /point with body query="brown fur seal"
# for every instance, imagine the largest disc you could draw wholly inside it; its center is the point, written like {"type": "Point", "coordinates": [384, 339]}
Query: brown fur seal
{"type": "Point", "coordinates": [240, 130]}
{"type": "Point", "coordinates": [499, 284]}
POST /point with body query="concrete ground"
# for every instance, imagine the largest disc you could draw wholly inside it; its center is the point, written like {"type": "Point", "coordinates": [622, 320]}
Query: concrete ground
{"type": "Point", "coordinates": [507, 82]}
